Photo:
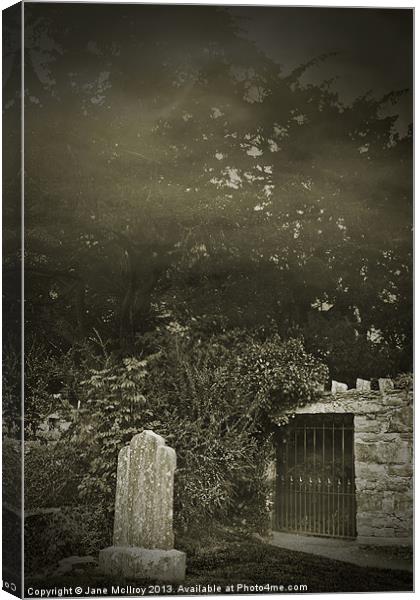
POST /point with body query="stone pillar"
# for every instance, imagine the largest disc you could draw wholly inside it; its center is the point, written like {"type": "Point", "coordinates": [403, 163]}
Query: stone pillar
{"type": "Point", "coordinates": [143, 532]}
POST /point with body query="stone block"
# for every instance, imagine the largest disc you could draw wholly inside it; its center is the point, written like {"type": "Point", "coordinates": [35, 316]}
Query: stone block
{"type": "Point", "coordinates": [386, 521]}
{"type": "Point", "coordinates": [397, 484]}
{"type": "Point", "coordinates": [364, 424]}
{"type": "Point", "coordinates": [369, 517]}
{"type": "Point", "coordinates": [370, 472]}
{"type": "Point", "coordinates": [385, 384]}
{"type": "Point", "coordinates": [362, 385]}
{"type": "Point", "coordinates": [365, 530]}
{"type": "Point", "coordinates": [398, 452]}
{"type": "Point", "coordinates": [372, 406]}
{"type": "Point", "coordinates": [366, 453]}
{"type": "Point", "coordinates": [368, 501]}
{"type": "Point", "coordinates": [404, 505]}
{"type": "Point", "coordinates": [404, 528]}
{"type": "Point", "coordinates": [336, 386]}
{"type": "Point", "coordinates": [392, 451]}
{"type": "Point", "coordinates": [365, 485]}
{"type": "Point", "coordinates": [390, 541]}
{"type": "Point", "coordinates": [365, 438]}
{"type": "Point", "coordinates": [405, 470]}
{"type": "Point", "coordinates": [143, 563]}
{"type": "Point", "coordinates": [375, 438]}
{"type": "Point", "coordinates": [401, 420]}
{"type": "Point", "coordinates": [374, 524]}
{"type": "Point", "coordinates": [385, 532]}
{"type": "Point", "coordinates": [388, 504]}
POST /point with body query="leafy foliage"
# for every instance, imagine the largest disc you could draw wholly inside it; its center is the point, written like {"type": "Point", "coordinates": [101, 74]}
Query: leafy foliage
{"type": "Point", "coordinates": [278, 375]}
{"type": "Point", "coordinates": [51, 383]}
{"type": "Point", "coordinates": [212, 406]}
{"type": "Point", "coordinates": [114, 407]}
{"type": "Point", "coordinates": [12, 471]}
{"type": "Point", "coordinates": [404, 381]}
{"type": "Point", "coordinates": [235, 189]}
{"type": "Point", "coordinates": [42, 372]}
{"type": "Point", "coordinates": [11, 390]}
{"type": "Point", "coordinates": [52, 474]}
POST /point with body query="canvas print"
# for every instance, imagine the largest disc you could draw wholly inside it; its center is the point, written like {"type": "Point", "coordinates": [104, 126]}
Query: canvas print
{"type": "Point", "coordinates": [207, 299]}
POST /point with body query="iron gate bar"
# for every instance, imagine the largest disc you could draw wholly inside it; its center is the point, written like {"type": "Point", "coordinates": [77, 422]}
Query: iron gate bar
{"type": "Point", "coordinates": [311, 498]}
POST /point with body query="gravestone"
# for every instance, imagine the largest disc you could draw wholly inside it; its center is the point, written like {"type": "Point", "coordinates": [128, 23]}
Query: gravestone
{"type": "Point", "coordinates": [143, 534]}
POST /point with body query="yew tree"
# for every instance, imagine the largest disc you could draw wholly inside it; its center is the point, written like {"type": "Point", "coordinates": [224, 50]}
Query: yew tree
{"type": "Point", "coordinates": [173, 171]}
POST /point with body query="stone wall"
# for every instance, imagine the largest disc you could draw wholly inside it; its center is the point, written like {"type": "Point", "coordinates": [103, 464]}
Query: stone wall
{"type": "Point", "coordinates": [383, 450]}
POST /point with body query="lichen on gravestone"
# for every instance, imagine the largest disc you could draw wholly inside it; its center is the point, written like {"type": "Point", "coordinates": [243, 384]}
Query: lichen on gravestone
{"type": "Point", "coordinates": [143, 544]}
{"type": "Point", "coordinates": [121, 518]}
{"type": "Point", "coordinates": [144, 495]}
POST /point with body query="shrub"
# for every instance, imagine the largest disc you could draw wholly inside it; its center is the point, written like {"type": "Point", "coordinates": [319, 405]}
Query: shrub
{"type": "Point", "coordinates": [53, 472]}
{"type": "Point", "coordinates": [211, 402]}
{"type": "Point", "coordinates": [11, 390]}
{"type": "Point", "coordinates": [12, 471]}
{"type": "Point", "coordinates": [48, 376]}
{"type": "Point", "coordinates": [404, 381]}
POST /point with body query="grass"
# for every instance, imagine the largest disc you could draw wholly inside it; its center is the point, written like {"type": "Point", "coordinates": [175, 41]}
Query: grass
{"type": "Point", "coordinates": [248, 560]}
{"type": "Point", "coordinates": [228, 559]}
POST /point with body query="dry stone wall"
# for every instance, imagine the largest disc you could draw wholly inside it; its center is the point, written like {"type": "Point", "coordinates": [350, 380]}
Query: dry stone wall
{"type": "Point", "coordinates": [383, 454]}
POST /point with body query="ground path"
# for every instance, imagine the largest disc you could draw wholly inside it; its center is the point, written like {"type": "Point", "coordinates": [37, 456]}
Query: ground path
{"type": "Point", "coordinates": [345, 550]}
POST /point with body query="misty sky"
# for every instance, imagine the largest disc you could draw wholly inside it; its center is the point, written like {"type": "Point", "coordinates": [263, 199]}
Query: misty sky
{"type": "Point", "coordinates": [375, 47]}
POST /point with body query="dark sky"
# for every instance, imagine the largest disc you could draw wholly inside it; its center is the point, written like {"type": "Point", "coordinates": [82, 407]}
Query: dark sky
{"type": "Point", "coordinates": [374, 46]}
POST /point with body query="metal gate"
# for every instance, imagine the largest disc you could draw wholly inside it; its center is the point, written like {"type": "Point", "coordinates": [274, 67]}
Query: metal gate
{"type": "Point", "coordinates": [315, 491]}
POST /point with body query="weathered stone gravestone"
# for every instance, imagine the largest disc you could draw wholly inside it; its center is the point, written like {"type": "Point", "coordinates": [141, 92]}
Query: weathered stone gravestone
{"type": "Point", "coordinates": [143, 534]}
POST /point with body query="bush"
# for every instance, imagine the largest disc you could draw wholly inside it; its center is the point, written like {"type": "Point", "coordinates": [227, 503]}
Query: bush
{"type": "Point", "coordinates": [11, 391]}
{"type": "Point", "coordinates": [48, 376]}
{"type": "Point", "coordinates": [211, 401]}
{"type": "Point", "coordinates": [53, 472]}
{"type": "Point", "coordinates": [404, 381]}
{"type": "Point", "coordinates": [12, 472]}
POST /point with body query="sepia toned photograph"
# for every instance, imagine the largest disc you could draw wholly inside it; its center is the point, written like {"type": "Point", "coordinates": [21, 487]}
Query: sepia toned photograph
{"type": "Point", "coordinates": [207, 299]}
